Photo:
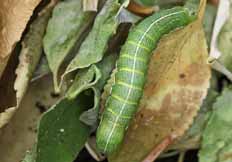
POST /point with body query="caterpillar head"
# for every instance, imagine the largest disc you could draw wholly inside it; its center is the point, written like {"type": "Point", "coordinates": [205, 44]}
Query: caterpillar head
{"type": "Point", "coordinates": [192, 15]}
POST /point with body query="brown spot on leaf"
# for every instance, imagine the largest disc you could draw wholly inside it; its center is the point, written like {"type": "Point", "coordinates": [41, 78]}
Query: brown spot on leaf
{"type": "Point", "coordinates": [194, 74]}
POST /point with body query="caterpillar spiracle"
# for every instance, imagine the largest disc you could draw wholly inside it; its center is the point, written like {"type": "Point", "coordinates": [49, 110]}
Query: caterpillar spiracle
{"type": "Point", "coordinates": [130, 77]}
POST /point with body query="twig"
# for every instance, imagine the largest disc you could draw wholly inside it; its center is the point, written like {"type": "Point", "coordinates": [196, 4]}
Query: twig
{"type": "Point", "coordinates": [216, 65]}
{"type": "Point", "coordinates": [181, 156]}
{"type": "Point", "coordinates": [158, 149]}
{"type": "Point", "coordinates": [169, 154]}
{"type": "Point", "coordinates": [91, 148]}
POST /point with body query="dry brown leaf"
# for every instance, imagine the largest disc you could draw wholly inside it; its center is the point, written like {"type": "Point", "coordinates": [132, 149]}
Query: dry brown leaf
{"type": "Point", "coordinates": [178, 79]}
{"type": "Point", "coordinates": [7, 93]}
{"type": "Point", "coordinates": [20, 133]}
{"type": "Point", "coordinates": [14, 15]}
{"type": "Point", "coordinates": [142, 10]}
{"type": "Point", "coordinates": [28, 59]}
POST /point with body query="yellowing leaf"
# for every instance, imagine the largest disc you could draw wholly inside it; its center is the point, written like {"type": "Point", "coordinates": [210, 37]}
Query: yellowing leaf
{"type": "Point", "coordinates": [178, 79]}
{"type": "Point", "coordinates": [14, 15]}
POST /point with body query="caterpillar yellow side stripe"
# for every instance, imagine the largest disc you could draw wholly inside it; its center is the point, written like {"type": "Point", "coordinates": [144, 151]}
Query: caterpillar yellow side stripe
{"type": "Point", "coordinates": [132, 71]}
{"type": "Point", "coordinates": [133, 58]}
{"type": "Point", "coordinates": [123, 100]}
{"type": "Point", "coordinates": [114, 113]}
{"type": "Point", "coordinates": [139, 45]}
{"type": "Point", "coordinates": [129, 85]}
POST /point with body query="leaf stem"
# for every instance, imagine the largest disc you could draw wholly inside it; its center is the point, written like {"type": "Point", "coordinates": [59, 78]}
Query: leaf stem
{"type": "Point", "coordinates": [159, 148]}
{"type": "Point", "coordinates": [216, 65]}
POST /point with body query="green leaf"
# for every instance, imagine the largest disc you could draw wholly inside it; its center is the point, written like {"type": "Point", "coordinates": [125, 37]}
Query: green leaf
{"type": "Point", "coordinates": [106, 66]}
{"type": "Point", "coordinates": [96, 43]}
{"type": "Point", "coordinates": [218, 132]}
{"type": "Point", "coordinates": [62, 132]}
{"type": "Point", "coordinates": [208, 21]}
{"type": "Point", "coordinates": [160, 3]}
{"type": "Point", "coordinates": [64, 29]}
{"type": "Point", "coordinates": [225, 153]}
{"type": "Point", "coordinates": [85, 79]}
{"type": "Point", "coordinates": [225, 42]}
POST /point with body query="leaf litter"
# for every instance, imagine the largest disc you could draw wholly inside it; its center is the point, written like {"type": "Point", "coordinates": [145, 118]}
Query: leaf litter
{"type": "Point", "coordinates": [177, 91]}
{"type": "Point", "coordinates": [28, 59]}
{"type": "Point", "coordinates": [12, 29]}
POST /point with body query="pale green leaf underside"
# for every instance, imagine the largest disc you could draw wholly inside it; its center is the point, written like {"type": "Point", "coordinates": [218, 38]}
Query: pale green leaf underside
{"type": "Point", "coordinates": [96, 43]}
{"type": "Point", "coordinates": [217, 135]}
{"type": "Point", "coordinates": [66, 26]}
{"type": "Point", "coordinates": [85, 79]}
{"type": "Point", "coordinates": [225, 43]}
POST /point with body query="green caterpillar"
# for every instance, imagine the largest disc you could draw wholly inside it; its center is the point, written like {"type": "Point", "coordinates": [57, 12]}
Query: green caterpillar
{"type": "Point", "coordinates": [130, 77]}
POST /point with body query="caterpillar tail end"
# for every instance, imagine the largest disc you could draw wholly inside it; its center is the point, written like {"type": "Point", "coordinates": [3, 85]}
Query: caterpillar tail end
{"type": "Point", "coordinates": [108, 140]}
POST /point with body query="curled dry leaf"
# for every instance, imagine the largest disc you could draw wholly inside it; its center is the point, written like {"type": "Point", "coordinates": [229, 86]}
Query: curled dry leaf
{"type": "Point", "coordinates": [28, 59]}
{"type": "Point", "coordinates": [24, 122]}
{"type": "Point", "coordinates": [178, 79]}
{"type": "Point", "coordinates": [138, 9]}
{"type": "Point", "coordinates": [31, 51]}
{"type": "Point", "coordinates": [14, 15]}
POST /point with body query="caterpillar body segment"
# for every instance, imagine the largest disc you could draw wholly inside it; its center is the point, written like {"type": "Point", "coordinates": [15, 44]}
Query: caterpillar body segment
{"type": "Point", "coordinates": [131, 73]}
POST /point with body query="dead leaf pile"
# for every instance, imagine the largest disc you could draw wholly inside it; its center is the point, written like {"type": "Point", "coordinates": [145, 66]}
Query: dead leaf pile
{"type": "Point", "coordinates": [28, 60]}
